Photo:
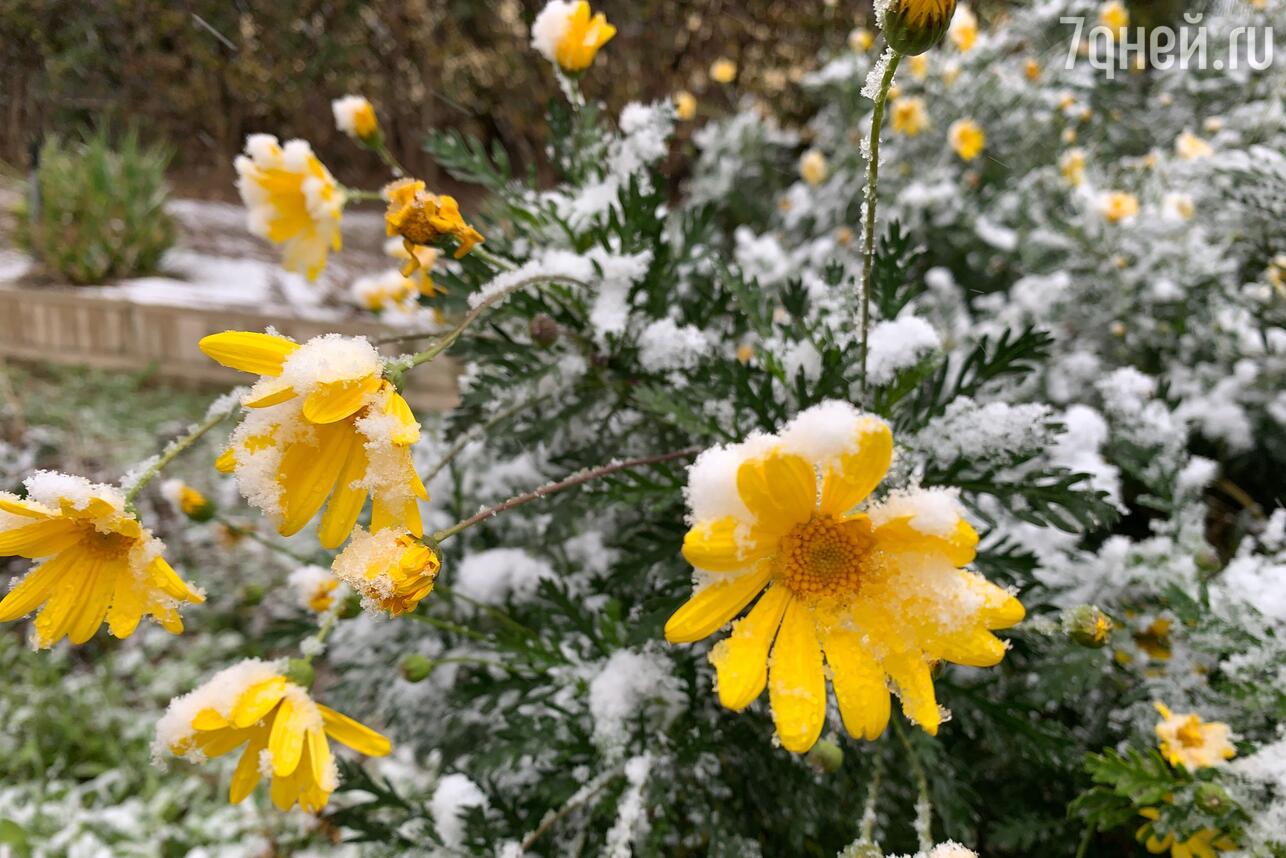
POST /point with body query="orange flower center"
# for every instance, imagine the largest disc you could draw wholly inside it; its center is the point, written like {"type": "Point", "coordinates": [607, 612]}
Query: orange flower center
{"type": "Point", "coordinates": [106, 546]}
{"type": "Point", "coordinates": [1190, 733]}
{"type": "Point", "coordinates": [824, 558]}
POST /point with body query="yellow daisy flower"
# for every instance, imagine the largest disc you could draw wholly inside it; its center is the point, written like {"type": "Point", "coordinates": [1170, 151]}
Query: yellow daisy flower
{"type": "Point", "coordinates": [879, 593]}
{"type": "Point", "coordinates": [322, 423]}
{"type": "Point", "coordinates": [1188, 741]}
{"type": "Point", "coordinates": [1117, 206]}
{"type": "Point", "coordinates": [1114, 16]}
{"type": "Point", "coordinates": [685, 105]}
{"type": "Point", "coordinates": [187, 500]}
{"type": "Point", "coordinates": [860, 40]}
{"type": "Point", "coordinates": [97, 562]}
{"type": "Point", "coordinates": [723, 70]}
{"type": "Point", "coordinates": [1206, 843]}
{"type": "Point", "coordinates": [966, 138]}
{"type": "Point", "coordinates": [1072, 166]}
{"type": "Point", "coordinates": [422, 219]}
{"type": "Point", "coordinates": [963, 31]}
{"type": "Point", "coordinates": [909, 116]}
{"type": "Point", "coordinates": [813, 167]}
{"type": "Point", "coordinates": [292, 200]}
{"type": "Point", "coordinates": [912, 27]}
{"type": "Point", "coordinates": [566, 34]}
{"type": "Point", "coordinates": [1190, 147]}
{"type": "Point", "coordinates": [314, 587]}
{"type": "Point", "coordinates": [391, 569]}
{"type": "Point", "coordinates": [283, 730]}
{"type": "Point", "coordinates": [355, 116]}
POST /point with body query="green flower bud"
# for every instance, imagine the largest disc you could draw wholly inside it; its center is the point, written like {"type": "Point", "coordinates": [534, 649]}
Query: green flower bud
{"type": "Point", "coordinates": [416, 667]}
{"type": "Point", "coordinates": [825, 756]}
{"type": "Point", "coordinates": [543, 329]}
{"type": "Point", "coordinates": [914, 26]}
{"type": "Point", "coordinates": [1088, 626]}
{"type": "Point", "coordinates": [300, 671]}
{"type": "Point", "coordinates": [1212, 798]}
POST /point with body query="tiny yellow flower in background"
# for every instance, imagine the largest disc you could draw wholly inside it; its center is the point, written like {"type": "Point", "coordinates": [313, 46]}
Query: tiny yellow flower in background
{"type": "Point", "coordinates": [422, 219]}
{"type": "Point", "coordinates": [1275, 273]}
{"type": "Point", "coordinates": [355, 116]}
{"type": "Point", "coordinates": [291, 200]}
{"type": "Point", "coordinates": [283, 729]}
{"type": "Point", "coordinates": [723, 70]}
{"type": "Point", "coordinates": [1117, 206]}
{"type": "Point", "coordinates": [187, 501]}
{"type": "Point", "coordinates": [1188, 741]}
{"type": "Point", "coordinates": [566, 34]}
{"type": "Point", "coordinates": [964, 29]}
{"type": "Point", "coordinates": [391, 569]}
{"type": "Point", "coordinates": [919, 65]}
{"type": "Point", "coordinates": [322, 427]}
{"type": "Point", "coordinates": [860, 40]}
{"type": "Point", "coordinates": [97, 562]}
{"type": "Point", "coordinates": [425, 258]}
{"type": "Point", "coordinates": [909, 116]}
{"type": "Point", "coordinates": [314, 588]}
{"type": "Point", "coordinates": [812, 167]}
{"type": "Point", "coordinates": [685, 105]}
{"type": "Point", "coordinates": [389, 291]}
{"type": "Point", "coordinates": [745, 352]}
{"type": "Point", "coordinates": [1114, 16]}
{"type": "Point", "coordinates": [880, 594]}
{"type": "Point", "coordinates": [950, 72]}
{"type": "Point", "coordinates": [1031, 69]}
{"type": "Point", "coordinates": [966, 138]}
{"type": "Point", "coordinates": [1204, 844]}
{"type": "Point", "coordinates": [1180, 205]}
{"type": "Point", "coordinates": [912, 27]}
{"type": "Point", "coordinates": [1190, 147]}
{"type": "Point", "coordinates": [1072, 166]}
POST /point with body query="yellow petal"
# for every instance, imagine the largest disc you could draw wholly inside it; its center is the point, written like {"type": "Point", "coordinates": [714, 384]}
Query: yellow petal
{"type": "Point", "coordinates": [346, 501]}
{"type": "Point", "coordinates": [715, 604]}
{"type": "Point", "coordinates": [285, 790]}
{"type": "Point", "coordinates": [261, 354]}
{"type": "Point", "coordinates": [40, 539]}
{"type": "Point", "coordinates": [169, 582]}
{"type": "Point", "coordinates": [336, 400]}
{"type": "Point", "coordinates": [973, 647]}
{"type": "Point", "coordinates": [960, 547]}
{"type": "Point", "coordinates": [860, 687]}
{"type": "Point", "coordinates": [409, 431]}
{"type": "Point", "coordinates": [246, 777]}
{"type": "Point", "coordinates": [741, 660]}
{"type": "Point", "coordinates": [209, 719]}
{"type": "Point", "coordinates": [227, 461]}
{"type": "Point", "coordinates": [848, 482]}
{"type": "Point", "coordinates": [355, 735]}
{"type": "Point", "coordinates": [319, 760]}
{"type": "Point", "coordinates": [275, 396]}
{"type": "Point", "coordinates": [37, 587]}
{"type": "Point", "coordinates": [308, 473]}
{"type": "Point", "coordinates": [404, 514]}
{"type": "Point", "coordinates": [257, 701]}
{"type": "Point", "coordinates": [797, 687]}
{"type": "Point", "coordinates": [216, 743]}
{"type": "Point", "coordinates": [287, 739]}
{"type": "Point", "coordinates": [127, 607]}
{"type": "Point", "coordinates": [95, 597]}
{"type": "Point", "coordinates": [1000, 610]}
{"type": "Point", "coordinates": [55, 618]}
{"type": "Point", "coordinates": [715, 546]}
{"type": "Point", "coordinates": [15, 505]}
{"type": "Point", "coordinates": [780, 490]}
{"type": "Point", "coordinates": [914, 684]}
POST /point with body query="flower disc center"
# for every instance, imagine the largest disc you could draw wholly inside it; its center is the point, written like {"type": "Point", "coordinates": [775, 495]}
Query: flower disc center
{"type": "Point", "coordinates": [823, 557]}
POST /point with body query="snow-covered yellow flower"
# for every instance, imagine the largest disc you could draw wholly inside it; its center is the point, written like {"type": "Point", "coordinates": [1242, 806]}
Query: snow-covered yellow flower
{"type": "Point", "coordinates": [1188, 741]}
{"type": "Point", "coordinates": [685, 105]}
{"type": "Point", "coordinates": [964, 29]}
{"type": "Point", "coordinates": [321, 423]}
{"type": "Point", "coordinates": [919, 65]}
{"type": "Point", "coordinates": [912, 27]}
{"type": "Point", "coordinates": [355, 116]}
{"type": "Point", "coordinates": [860, 40]}
{"type": "Point", "coordinates": [879, 593]}
{"type": "Point", "coordinates": [291, 200]}
{"type": "Point", "coordinates": [97, 562]}
{"type": "Point", "coordinates": [423, 219]}
{"type": "Point", "coordinates": [1190, 147]}
{"type": "Point", "coordinates": [284, 731]}
{"type": "Point", "coordinates": [1072, 166]}
{"type": "Point", "coordinates": [187, 501]}
{"type": "Point", "coordinates": [1179, 205]}
{"type": "Point", "coordinates": [388, 291]}
{"type": "Point", "coordinates": [1114, 16]}
{"type": "Point", "coordinates": [1206, 843]}
{"type": "Point", "coordinates": [909, 115]}
{"type": "Point", "coordinates": [565, 33]}
{"type": "Point", "coordinates": [314, 588]}
{"type": "Point", "coordinates": [391, 569]}
{"type": "Point", "coordinates": [723, 70]}
{"type": "Point", "coordinates": [1117, 206]}
{"type": "Point", "coordinates": [812, 167]}
{"type": "Point", "coordinates": [1031, 69]}
{"type": "Point", "coordinates": [967, 138]}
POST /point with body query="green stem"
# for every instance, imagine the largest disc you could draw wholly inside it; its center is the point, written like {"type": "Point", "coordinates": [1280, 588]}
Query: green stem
{"type": "Point", "coordinates": [254, 535]}
{"type": "Point", "coordinates": [872, 795]}
{"type": "Point", "coordinates": [359, 194]}
{"type": "Point", "coordinates": [924, 806]}
{"type": "Point", "coordinates": [381, 149]}
{"type": "Point", "coordinates": [495, 261]}
{"type": "Point", "coordinates": [576, 479]}
{"type": "Point", "coordinates": [172, 452]}
{"type": "Point", "coordinates": [447, 626]}
{"type": "Point", "coordinates": [327, 626]}
{"type": "Point", "coordinates": [1083, 848]}
{"type": "Point", "coordinates": [473, 432]}
{"type": "Point", "coordinates": [872, 184]}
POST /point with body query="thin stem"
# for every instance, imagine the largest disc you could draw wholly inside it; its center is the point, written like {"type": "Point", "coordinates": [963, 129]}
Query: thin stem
{"type": "Point", "coordinates": [381, 149]}
{"type": "Point", "coordinates": [327, 625]}
{"type": "Point", "coordinates": [495, 261]}
{"type": "Point", "coordinates": [578, 799]}
{"type": "Point", "coordinates": [254, 535]}
{"type": "Point", "coordinates": [447, 626]}
{"type": "Point", "coordinates": [359, 194]}
{"type": "Point", "coordinates": [924, 805]}
{"type": "Point", "coordinates": [473, 432]}
{"type": "Point", "coordinates": [172, 452]}
{"type": "Point", "coordinates": [576, 479]}
{"type": "Point", "coordinates": [872, 796]}
{"type": "Point", "coordinates": [872, 184]}
{"type": "Point", "coordinates": [1083, 848]}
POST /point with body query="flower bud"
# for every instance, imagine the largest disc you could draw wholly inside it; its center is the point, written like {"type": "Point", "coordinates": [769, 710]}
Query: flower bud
{"type": "Point", "coordinates": [300, 672]}
{"type": "Point", "coordinates": [1087, 626]}
{"type": "Point", "coordinates": [1211, 797]}
{"type": "Point", "coordinates": [825, 756]}
{"type": "Point", "coordinates": [416, 668]}
{"type": "Point", "coordinates": [912, 27]}
{"type": "Point", "coordinates": [543, 329]}
{"type": "Point", "coordinates": [187, 500]}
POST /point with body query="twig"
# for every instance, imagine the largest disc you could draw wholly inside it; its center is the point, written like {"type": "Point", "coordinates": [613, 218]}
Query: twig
{"type": "Point", "coordinates": [172, 452]}
{"type": "Point", "coordinates": [473, 431]}
{"type": "Point", "coordinates": [578, 799]}
{"type": "Point", "coordinates": [575, 479]}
